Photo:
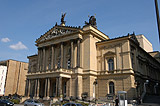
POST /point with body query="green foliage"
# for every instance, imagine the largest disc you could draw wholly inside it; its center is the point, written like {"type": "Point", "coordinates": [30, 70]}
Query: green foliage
{"type": "Point", "coordinates": [15, 101]}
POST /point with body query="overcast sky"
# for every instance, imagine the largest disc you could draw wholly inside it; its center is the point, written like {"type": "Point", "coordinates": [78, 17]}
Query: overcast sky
{"type": "Point", "coordinates": [23, 21]}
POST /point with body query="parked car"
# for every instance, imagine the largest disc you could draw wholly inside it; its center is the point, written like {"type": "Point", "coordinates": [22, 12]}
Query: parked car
{"type": "Point", "coordinates": [33, 102]}
{"type": "Point", "coordinates": [72, 104]}
{"type": "Point", "coordinates": [6, 102]}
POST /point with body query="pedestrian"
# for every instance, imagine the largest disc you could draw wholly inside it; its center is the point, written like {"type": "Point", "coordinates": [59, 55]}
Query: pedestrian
{"type": "Point", "coordinates": [116, 101]}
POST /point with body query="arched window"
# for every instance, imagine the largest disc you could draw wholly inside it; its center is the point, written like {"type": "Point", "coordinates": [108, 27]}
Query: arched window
{"type": "Point", "coordinates": [111, 87]}
{"type": "Point", "coordinates": [110, 64]}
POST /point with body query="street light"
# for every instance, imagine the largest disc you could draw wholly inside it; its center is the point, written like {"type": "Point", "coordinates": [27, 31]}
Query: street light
{"type": "Point", "coordinates": [157, 14]}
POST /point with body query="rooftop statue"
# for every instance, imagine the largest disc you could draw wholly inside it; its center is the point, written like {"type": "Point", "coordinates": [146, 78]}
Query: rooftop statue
{"type": "Point", "coordinates": [92, 21]}
{"type": "Point", "coordinates": [62, 19]}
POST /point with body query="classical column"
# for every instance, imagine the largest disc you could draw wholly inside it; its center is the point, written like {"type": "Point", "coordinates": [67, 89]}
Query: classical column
{"type": "Point", "coordinates": [38, 66]}
{"type": "Point", "coordinates": [26, 88]}
{"type": "Point", "coordinates": [78, 53]}
{"type": "Point", "coordinates": [58, 86]}
{"type": "Point", "coordinates": [52, 58]}
{"type": "Point", "coordinates": [61, 56]}
{"type": "Point", "coordinates": [48, 87]}
{"type": "Point", "coordinates": [44, 59]}
{"type": "Point", "coordinates": [29, 84]}
{"type": "Point", "coordinates": [45, 90]}
{"type": "Point", "coordinates": [37, 88]}
{"type": "Point", "coordinates": [69, 87]}
{"type": "Point", "coordinates": [72, 54]}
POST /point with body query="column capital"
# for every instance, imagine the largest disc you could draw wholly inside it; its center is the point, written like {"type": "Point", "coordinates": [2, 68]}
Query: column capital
{"type": "Point", "coordinates": [79, 39]}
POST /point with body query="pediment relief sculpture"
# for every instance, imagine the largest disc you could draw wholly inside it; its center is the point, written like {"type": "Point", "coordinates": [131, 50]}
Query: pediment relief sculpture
{"type": "Point", "coordinates": [54, 33]}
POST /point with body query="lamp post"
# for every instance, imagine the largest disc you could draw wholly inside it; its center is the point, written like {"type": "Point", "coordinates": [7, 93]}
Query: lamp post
{"type": "Point", "coordinates": [157, 14]}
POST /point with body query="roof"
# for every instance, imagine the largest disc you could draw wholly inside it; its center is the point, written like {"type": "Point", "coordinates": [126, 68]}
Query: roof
{"type": "Point", "coordinates": [134, 39]}
{"type": "Point", "coordinates": [32, 56]}
{"type": "Point", "coordinates": [12, 60]}
{"type": "Point", "coordinates": [132, 36]}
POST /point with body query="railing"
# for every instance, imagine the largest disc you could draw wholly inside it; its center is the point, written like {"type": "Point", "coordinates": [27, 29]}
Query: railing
{"type": "Point", "coordinates": [52, 71]}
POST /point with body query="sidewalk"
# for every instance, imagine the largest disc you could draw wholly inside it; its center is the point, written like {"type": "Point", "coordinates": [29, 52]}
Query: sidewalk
{"type": "Point", "coordinates": [149, 104]}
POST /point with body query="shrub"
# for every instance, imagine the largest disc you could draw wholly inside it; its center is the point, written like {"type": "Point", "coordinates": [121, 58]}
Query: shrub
{"type": "Point", "coordinates": [15, 101]}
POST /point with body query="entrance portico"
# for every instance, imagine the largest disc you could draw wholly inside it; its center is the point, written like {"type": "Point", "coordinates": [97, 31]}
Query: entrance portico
{"type": "Point", "coordinates": [50, 86]}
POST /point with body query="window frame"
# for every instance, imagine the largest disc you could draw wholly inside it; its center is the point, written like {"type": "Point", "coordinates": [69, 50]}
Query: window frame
{"type": "Point", "coordinates": [110, 64]}
{"type": "Point", "coordinates": [111, 87]}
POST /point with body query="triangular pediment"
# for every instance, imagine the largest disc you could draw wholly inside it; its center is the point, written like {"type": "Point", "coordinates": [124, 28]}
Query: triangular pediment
{"type": "Point", "coordinates": [109, 53]}
{"type": "Point", "coordinates": [57, 31]}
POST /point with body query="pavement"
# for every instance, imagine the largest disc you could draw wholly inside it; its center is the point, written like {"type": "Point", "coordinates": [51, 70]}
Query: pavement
{"type": "Point", "coordinates": [149, 104]}
{"type": "Point", "coordinates": [18, 105]}
{"type": "Point", "coordinates": [143, 104]}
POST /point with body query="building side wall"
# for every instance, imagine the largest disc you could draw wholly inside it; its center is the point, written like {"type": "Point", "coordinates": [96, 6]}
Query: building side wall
{"type": "Point", "coordinates": [118, 51]}
{"type": "Point", "coordinates": [156, 55]}
{"type": "Point", "coordinates": [15, 81]}
{"type": "Point", "coordinates": [121, 83]}
{"type": "Point", "coordinates": [22, 78]}
{"type": "Point", "coordinates": [11, 78]}
{"type": "Point", "coordinates": [144, 43]}
{"type": "Point", "coordinates": [121, 76]}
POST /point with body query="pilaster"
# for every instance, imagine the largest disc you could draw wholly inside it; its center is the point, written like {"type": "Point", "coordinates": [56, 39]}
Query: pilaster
{"type": "Point", "coordinates": [79, 86]}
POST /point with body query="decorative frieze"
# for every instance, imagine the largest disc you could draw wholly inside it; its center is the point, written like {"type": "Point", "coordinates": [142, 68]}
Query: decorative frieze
{"type": "Point", "coordinates": [110, 46]}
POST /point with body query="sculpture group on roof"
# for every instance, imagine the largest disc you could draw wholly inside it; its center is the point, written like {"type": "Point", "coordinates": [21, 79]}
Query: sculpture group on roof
{"type": "Point", "coordinates": [92, 21]}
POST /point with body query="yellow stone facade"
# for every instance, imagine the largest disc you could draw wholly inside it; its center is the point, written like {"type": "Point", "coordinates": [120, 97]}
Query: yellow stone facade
{"type": "Point", "coordinates": [15, 77]}
{"type": "Point", "coordinates": [74, 60]}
